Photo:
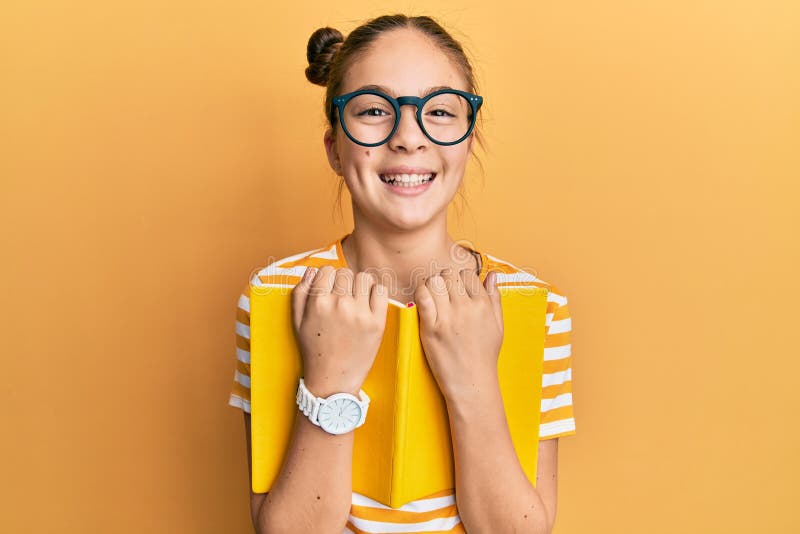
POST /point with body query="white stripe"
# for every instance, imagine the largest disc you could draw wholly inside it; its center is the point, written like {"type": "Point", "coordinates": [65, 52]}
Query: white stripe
{"type": "Point", "coordinates": [242, 378]}
{"type": "Point", "coordinates": [239, 402]}
{"type": "Point", "coordinates": [242, 355]}
{"type": "Point", "coordinates": [329, 254]}
{"type": "Point", "coordinates": [556, 427]}
{"type": "Point", "coordinates": [297, 270]}
{"type": "Point", "coordinates": [242, 330]}
{"type": "Point", "coordinates": [522, 272]}
{"type": "Point", "coordinates": [558, 299]}
{"type": "Point", "coordinates": [275, 266]}
{"type": "Point", "coordinates": [494, 258]}
{"type": "Point", "coordinates": [441, 523]}
{"type": "Point", "coordinates": [294, 257]}
{"type": "Point", "coordinates": [553, 379]}
{"type": "Point", "coordinates": [565, 399]}
{"type": "Point", "coordinates": [557, 353]}
{"type": "Point", "coordinates": [419, 506]}
{"type": "Point", "coordinates": [560, 326]}
{"type": "Point", "coordinates": [533, 289]}
{"type": "Point", "coordinates": [515, 277]}
{"type": "Point", "coordinates": [255, 280]}
{"type": "Point", "coordinates": [244, 302]}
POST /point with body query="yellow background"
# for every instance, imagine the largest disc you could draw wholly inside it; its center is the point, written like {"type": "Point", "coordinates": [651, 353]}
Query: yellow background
{"type": "Point", "coordinates": [644, 157]}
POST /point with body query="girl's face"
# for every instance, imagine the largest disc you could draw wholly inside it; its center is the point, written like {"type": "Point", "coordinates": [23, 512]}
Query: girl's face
{"type": "Point", "coordinates": [405, 63]}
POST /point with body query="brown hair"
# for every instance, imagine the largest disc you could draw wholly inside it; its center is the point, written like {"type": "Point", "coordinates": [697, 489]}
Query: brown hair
{"type": "Point", "coordinates": [329, 56]}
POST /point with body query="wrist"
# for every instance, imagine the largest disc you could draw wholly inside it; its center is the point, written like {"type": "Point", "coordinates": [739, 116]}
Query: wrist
{"type": "Point", "coordinates": [338, 413]}
{"type": "Point", "coordinates": [325, 388]}
{"type": "Point", "coordinates": [473, 396]}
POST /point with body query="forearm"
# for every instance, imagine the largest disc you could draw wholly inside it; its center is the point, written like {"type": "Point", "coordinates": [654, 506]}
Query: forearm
{"type": "Point", "coordinates": [313, 491]}
{"type": "Point", "coordinates": [493, 493]}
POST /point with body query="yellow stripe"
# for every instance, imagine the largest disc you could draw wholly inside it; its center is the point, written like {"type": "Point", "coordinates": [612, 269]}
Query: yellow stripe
{"type": "Point", "coordinates": [406, 517]}
{"type": "Point", "coordinates": [240, 391]}
{"type": "Point", "coordinates": [556, 340]}
{"type": "Point", "coordinates": [501, 268]}
{"type": "Point", "coordinates": [551, 392]}
{"type": "Point", "coordinates": [564, 412]}
{"type": "Point", "coordinates": [561, 312]}
{"type": "Point", "coordinates": [308, 261]}
{"type": "Point", "coordinates": [401, 516]}
{"type": "Point", "coordinates": [555, 366]}
{"type": "Point", "coordinates": [443, 493]}
{"type": "Point", "coordinates": [458, 529]}
{"type": "Point", "coordinates": [242, 342]}
{"type": "Point", "coordinates": [243, 316]}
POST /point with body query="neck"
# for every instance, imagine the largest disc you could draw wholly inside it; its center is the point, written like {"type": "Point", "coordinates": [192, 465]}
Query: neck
{"type": "Point", "coordinates": [402, 259]}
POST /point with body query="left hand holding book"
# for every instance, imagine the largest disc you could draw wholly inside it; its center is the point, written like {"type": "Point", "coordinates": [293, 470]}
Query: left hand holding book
{"type": "Point", "coordinates": [461, 329]}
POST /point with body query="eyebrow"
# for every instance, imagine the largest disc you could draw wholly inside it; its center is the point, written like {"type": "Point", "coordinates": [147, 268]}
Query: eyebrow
{"type": "Point", "coordinates": [391, 93]}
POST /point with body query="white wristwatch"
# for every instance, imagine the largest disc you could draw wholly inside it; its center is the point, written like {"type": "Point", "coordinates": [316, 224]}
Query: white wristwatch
{"type": "Point", "coordinates": [338, 414]}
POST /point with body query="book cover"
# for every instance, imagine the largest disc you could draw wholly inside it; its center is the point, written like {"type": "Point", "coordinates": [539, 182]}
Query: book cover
{"type": "Point", "coordinates": [403, 452]}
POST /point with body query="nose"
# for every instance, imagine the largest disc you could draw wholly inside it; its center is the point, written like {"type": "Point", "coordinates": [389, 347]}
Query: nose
{"type": "Point", "coordinates": [409, 135]}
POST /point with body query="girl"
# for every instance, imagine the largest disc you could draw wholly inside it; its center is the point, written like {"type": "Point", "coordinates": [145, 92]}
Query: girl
{"type": "Point", "coordinates": [402, 168]}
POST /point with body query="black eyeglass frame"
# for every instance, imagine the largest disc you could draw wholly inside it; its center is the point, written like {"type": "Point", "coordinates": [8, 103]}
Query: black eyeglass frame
{"type": "Point", "coordinates": [475, 102]}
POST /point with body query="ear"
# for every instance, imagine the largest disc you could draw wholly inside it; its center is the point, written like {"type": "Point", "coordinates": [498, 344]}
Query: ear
{"type": "Point", "coordinates": [330, 150]}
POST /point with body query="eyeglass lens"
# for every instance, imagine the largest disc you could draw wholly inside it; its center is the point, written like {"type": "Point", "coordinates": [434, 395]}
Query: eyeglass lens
{"type": "Point", "coordinates": [370, 118]}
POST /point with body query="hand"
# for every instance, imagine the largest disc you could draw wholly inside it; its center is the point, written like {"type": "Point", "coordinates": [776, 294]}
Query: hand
{"type": "Point", "coordinates": [339, 320]}
{"type": "Point", "coordinates": [461, 329]}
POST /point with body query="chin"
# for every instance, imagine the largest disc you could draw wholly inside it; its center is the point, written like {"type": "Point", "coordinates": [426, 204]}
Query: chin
{"type": "Point", "coordinates": [410, 222]}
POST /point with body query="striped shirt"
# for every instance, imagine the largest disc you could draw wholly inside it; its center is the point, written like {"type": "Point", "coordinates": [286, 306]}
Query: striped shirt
{"type": "Point", "coordinates": [437, 512]}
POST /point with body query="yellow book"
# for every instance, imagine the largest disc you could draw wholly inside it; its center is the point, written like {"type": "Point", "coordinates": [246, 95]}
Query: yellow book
{"type": "Point", "coordinates": [403, 451]}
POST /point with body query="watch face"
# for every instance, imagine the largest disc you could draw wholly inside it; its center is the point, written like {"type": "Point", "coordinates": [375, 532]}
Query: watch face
{"type": "Point", "coordinates": [339, 415]}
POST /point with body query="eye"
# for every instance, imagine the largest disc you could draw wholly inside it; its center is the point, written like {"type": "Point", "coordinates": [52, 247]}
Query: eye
{"type": "Point", "coordinates": [441, 113]}
{"type": "Point", "coordinates": [373, 112]}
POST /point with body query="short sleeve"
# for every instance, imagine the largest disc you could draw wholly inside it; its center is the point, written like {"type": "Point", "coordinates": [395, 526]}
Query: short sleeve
{"type": "Point", "coordinates": [557, 418]}
{"type": "Point", "coordinates": [240, 392]}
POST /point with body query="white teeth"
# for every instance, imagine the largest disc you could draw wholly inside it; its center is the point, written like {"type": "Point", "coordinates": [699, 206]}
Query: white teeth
{"type": "Point", "coordinates": [406, 180]}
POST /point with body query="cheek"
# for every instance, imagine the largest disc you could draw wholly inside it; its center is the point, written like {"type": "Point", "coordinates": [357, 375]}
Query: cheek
{"type": "Point", "coordinates": [354, 156]}
{"type": "Point", "coordinates": [457, 158]}
{"type": "Point", "coordinates": [362, 157]}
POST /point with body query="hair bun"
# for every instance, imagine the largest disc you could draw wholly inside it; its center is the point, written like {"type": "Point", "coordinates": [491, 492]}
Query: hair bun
{"type": "Point", "coordinates": [322, 47]}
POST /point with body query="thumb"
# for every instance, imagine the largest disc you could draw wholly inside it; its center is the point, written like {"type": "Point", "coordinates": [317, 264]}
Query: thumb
{"type": "Point", "coordinates": [300, 296]}
{"type": "Point", "coordinates": [379, 300]}
{"type": "Point", "coordinates": [490, 283]}
{"type": "Point", "coordinates": [425, 306]}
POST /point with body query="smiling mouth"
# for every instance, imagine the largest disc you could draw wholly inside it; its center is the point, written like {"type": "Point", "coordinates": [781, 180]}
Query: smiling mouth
{"type": "Point", "coordinates": [407, 180]}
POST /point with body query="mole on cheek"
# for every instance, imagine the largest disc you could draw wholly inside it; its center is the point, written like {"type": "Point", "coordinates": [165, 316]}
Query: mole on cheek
{"type": "Point", "coordinates": [367, 153]}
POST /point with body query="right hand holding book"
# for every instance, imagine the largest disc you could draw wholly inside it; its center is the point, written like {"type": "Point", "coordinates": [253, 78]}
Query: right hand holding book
{"type": "Point", "coordinates": [339, 320]}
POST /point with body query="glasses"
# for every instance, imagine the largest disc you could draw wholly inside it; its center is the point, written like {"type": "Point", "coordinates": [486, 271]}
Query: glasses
{"type": "Point", "coordinates": [370, 118]}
